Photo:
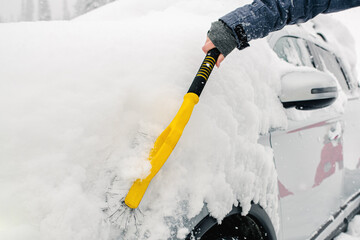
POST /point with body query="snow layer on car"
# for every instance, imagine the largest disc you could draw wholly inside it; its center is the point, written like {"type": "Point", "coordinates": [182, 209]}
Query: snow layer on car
{"type": "Point", "coordinates": [83, 101]}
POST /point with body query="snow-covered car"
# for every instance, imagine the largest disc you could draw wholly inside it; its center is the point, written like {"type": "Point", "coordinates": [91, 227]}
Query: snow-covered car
{"type": "Point", "coordinates": [271, 150]}
{"type": "Point", "coordinates": [317, 158]}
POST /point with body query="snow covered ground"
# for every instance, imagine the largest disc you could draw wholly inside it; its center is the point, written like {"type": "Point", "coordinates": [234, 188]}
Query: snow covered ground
{"type": "Point", "coordinates": [81, 103]}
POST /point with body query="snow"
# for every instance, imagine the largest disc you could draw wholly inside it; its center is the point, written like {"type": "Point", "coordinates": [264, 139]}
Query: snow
{"type": "Point", "coordinates": [81, 103]}
{"type": "Point", "coordinates": [347, 19]}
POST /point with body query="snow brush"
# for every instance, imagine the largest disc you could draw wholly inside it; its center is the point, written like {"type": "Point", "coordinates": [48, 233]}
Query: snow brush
{"type": "Point", "coordinates": [168, 139]}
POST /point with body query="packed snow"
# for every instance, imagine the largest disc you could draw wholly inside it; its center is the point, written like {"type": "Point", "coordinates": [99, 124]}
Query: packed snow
{"type": "Point", "coordinates": [82, 102]}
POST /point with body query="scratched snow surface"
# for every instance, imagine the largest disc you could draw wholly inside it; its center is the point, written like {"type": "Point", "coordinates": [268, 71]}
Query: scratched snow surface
{"type": "Point", "coordinates": [81, 103]}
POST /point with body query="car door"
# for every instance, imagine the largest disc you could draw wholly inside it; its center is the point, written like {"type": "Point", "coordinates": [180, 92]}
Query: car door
{"type": "Point", "coordinates": [351, 117]}
{"type": "Point", "coordinates": [308, 157]}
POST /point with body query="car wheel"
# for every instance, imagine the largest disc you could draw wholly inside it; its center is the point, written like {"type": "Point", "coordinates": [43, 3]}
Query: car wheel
{"type": "Point", "coordinates": [254, 226]}
{"type": "Point", "coordinates": [236, 227]}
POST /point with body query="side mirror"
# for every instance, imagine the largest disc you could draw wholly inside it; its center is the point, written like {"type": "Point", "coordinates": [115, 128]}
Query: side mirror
{"type": "Point", "coordinates": [308, 90]}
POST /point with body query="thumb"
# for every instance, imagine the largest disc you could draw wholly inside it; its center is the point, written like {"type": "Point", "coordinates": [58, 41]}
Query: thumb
{"type": "Point", "coordinates": [220, 59]}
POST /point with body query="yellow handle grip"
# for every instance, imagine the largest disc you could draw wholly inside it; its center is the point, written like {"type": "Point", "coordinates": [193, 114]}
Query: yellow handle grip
{"type": "Point", "coordinates": [162, 149]}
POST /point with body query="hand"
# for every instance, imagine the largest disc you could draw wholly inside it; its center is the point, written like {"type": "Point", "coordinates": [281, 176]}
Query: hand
{"type": "Point", "coordinates": [208, 46]}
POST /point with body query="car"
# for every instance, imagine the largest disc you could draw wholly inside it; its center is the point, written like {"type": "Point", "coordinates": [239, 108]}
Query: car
{"type": "Point", "coordinates": [317, 158]}
{"type": "Point", "coordinates": [270, 152]}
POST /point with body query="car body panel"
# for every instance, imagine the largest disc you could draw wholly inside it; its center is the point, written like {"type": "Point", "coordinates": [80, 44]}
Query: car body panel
{"type": "Point", "coordinates": [351, 148]}
{"type": "Point", "coordinates": [303, 170]}
{"type": "Point", "coordinates": [317, 159]}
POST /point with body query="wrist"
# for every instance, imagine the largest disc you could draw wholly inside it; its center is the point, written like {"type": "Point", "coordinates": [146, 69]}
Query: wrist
{"type": "Point", "coordinates": [222, 37]}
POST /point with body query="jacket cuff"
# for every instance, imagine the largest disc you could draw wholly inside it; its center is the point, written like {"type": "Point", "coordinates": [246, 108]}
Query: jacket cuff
{"type": "Point", "coordinates": [222, 37]}
{"type": "Point", "coordinates": [237, 30]}
{"type": "Point", "coordinates": [241, 37]}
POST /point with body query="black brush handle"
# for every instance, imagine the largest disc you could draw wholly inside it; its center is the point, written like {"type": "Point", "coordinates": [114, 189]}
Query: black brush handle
{"type": "Point", "coordinates": [204, 72]}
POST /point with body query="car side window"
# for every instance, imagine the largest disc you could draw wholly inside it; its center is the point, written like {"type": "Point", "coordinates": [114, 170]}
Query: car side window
{"type": "Point", "coordinates": [330, 63]}
{"type": "Point", "coordinates": [294, 50]}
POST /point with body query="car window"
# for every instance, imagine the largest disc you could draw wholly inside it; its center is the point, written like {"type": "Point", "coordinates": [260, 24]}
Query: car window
{"type": "Point", "coordinates": [294, 50]}
{"type": "Point", "coordinates": [330, 63]}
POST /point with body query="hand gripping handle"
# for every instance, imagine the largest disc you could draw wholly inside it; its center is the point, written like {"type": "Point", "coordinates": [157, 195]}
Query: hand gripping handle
{"type": "Point", "coordinates": [168, 139]}
{"type": "Point", "coordinates": [204, 72]}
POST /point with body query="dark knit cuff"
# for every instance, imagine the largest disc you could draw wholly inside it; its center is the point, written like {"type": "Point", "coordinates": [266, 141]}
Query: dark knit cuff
{"type": "Point", "coordinates": [222, 37]}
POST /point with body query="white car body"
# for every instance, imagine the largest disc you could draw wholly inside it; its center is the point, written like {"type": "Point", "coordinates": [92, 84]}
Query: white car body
{"type": "Point", "coordinates": [317, 161]}
{"type": "Point", "coordinates": [318, 156]}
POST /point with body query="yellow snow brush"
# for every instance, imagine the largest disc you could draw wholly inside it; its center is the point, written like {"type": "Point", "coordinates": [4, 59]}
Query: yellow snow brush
{"type": "Point", "coordinates": [168, 139]}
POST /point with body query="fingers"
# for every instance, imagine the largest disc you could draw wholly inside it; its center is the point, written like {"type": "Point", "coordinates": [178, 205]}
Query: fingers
{"type": "Point", "coordinates": [208, 46]}
{"type": "Point", "coordinates": [220, 59]}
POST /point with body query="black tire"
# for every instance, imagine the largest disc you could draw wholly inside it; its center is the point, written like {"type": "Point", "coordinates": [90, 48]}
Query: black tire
{"type": "Point", "coordinates": [254, 226]}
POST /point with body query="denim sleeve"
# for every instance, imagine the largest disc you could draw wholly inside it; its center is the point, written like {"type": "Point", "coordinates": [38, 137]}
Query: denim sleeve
{"type": "Point", "coordinates": [264, 16]}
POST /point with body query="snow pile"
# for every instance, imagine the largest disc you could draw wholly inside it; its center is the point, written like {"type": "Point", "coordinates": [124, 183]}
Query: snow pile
{"type": "Point", "coordinates": [347, 19]}
{"type": "Point", "coordinates": [82, 102]}
{"type": "Point", "coordinates": [339, 34]}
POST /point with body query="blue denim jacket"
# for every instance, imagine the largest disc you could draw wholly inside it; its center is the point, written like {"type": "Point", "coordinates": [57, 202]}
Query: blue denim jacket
{"type": "Point", "coordinates": [264, 16]}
